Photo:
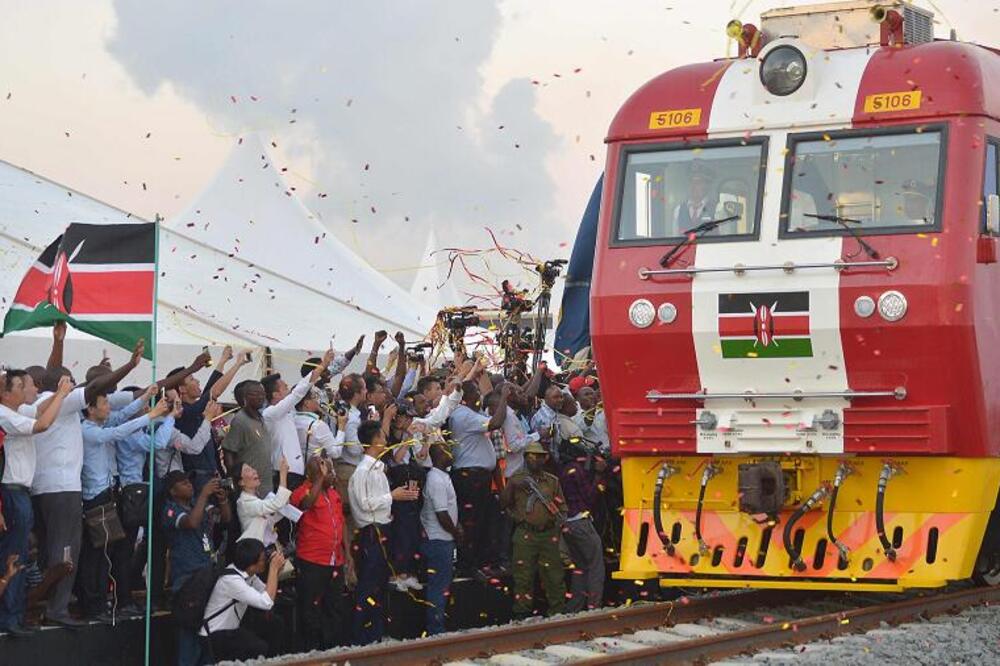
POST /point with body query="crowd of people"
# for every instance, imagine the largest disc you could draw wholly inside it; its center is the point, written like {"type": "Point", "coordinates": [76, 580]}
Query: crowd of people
{"type": "Point", "coordinates": [318, 489]}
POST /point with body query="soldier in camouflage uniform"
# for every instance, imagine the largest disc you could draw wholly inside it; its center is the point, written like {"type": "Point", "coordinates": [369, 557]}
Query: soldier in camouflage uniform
{"type": "Point", "coordinates": [536, 504]}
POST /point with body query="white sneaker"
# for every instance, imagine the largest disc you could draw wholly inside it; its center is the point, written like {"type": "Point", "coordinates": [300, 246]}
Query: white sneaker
{"type": "Point", "coordinates": [399, 583]}
{"type": "Point", "coordinates": [412, 583]}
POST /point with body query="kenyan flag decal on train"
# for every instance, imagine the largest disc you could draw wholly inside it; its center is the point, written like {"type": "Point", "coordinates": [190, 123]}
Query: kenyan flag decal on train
{"type": "Point", "coordinates": [99, 278]}
{"type": "Point", "coordinates": [765, 325]}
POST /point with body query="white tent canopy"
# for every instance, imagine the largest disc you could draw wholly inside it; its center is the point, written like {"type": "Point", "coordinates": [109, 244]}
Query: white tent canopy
{"type": "Point", "coordinates": [249, 212]}
{"type": "Point", "coordinates": [431, 283]}
{"type": "Point", "coordinates": [275, 281]}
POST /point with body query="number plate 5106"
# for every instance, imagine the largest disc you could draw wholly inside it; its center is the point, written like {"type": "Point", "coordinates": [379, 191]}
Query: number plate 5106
{"type": "Point", "coordinates": [674, 118]}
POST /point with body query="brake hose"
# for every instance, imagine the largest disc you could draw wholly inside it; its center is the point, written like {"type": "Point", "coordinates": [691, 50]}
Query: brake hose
{"type": "Point", "coordinates": [842, 472]}
{"type": "Point", "coordinates": [883, 480]}
{"type": "Point", "coordinates": [786, 535]}
{"type": "Point", "coordinates": [709, 472]}
{"type": "Point", "coordinates": [666, 471]}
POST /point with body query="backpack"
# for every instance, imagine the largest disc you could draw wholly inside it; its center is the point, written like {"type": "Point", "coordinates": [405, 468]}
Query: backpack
{"type": "Point", "coordinates": [191, 600]}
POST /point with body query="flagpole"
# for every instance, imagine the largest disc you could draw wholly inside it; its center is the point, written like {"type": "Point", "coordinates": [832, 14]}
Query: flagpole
{"type": "Point", "coordinates": [152, 447]}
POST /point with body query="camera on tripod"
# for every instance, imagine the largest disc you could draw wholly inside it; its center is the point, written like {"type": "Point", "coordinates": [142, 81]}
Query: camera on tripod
{"type": "Point", "coordinates": [549, 271]}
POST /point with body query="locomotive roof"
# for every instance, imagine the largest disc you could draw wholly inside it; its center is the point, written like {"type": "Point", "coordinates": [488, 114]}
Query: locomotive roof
{"type": "Point", "coordinates": [955, 78]}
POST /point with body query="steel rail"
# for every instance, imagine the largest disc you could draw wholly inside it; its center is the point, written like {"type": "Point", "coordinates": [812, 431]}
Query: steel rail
{"type": "Point", "coordinates": [484, 643]}
{"type": "Point", "coordinates": [799, 631]}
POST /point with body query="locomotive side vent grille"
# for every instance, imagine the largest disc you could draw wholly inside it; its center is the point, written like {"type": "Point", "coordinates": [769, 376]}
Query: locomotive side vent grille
{"type": "Point", "coordinates": [918, 25]}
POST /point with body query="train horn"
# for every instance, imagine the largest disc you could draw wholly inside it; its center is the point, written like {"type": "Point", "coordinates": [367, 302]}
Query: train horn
{"type": "Point", "coordinates": [891, 25]}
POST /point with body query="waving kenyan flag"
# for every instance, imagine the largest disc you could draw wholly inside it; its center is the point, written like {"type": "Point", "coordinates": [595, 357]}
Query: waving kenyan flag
{"type": "Point", "coordinates": [100, 278]}
{"type": "Point", "coordinates": [765, 325]}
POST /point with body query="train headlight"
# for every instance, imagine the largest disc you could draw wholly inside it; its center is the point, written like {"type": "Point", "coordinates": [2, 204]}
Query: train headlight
{"type": "Point", "coordinates": [864, 306]}
{"type": "Point", "coordinates": [892, 306]}
{"type": "Point", "coordinates": [641, 313]}
{"type": "Point", "coordinates": [783, 70]}
{"type": "Point", "coordinates": [667, 312]}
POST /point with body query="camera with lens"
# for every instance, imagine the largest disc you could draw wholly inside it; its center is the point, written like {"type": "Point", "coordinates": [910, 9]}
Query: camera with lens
{"type": "Point", "coordinates": [459, 318]}
{"type": "Point", "coordinates": [341, 407]}
{"type": "Point", "coordinates": [550, 270]}
{"type": "Point", "coordinates": [227, 484]}
{"type": "Point", "coordinates": [269, 552]}
{"type": "Point", "coordinates": [415, 353]}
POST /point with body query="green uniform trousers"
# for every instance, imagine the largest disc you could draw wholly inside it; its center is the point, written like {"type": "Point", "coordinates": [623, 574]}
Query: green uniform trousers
{"type": "Point", "coordinates": [537, 552]}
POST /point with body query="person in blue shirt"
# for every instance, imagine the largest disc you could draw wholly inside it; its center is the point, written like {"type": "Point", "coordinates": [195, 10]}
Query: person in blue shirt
{"type": "Point", "coordinates": [195, 398]}
{"type": "Point", "coordinates": [132, 454]}
{"type": "Point", "coordinates": [188, 524]}
{"type": "Point", "coordinates": [99, 447]}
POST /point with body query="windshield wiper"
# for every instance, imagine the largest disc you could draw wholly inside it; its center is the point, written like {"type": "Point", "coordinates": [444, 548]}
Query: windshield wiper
{"type": "Point", "coordinates": [693, 234]}
{"type": "Point", "coordinates": [845, 222]}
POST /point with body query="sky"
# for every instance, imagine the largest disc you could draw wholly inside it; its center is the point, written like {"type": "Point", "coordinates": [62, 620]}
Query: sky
{"type": "Point", "coordinates": [391, 117]}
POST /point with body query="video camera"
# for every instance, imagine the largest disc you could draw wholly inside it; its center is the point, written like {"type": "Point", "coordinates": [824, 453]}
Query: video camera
{"type": "Point", "coordinates": [459, 319]}
{"type": "Point", "coordinates": [549, 271]}
{"type": "Point", "coordinates": [415, 353]}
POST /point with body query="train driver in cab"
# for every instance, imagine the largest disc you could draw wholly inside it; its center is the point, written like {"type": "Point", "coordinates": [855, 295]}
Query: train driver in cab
{"type": "Point", "coordinates": [701, 202]}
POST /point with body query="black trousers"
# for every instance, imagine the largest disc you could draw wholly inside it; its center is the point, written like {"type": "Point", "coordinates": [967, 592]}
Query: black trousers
{"type": "Point", "coordinates": [96, 563]}
{"type": "Point", "coordinates": [318, 591]}
{"type": "Point", "coordinates": [371, 548]}
{"type": "Point", "coordinates": [475, 513]}
{"type": "Point", "coordinates": [259, 635]}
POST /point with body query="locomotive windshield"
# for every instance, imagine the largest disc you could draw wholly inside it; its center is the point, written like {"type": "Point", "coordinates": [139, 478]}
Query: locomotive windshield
{"type": "Point", "coordinates": [668, 191]}
{"type": "Point", "coordinates": [876, 183]}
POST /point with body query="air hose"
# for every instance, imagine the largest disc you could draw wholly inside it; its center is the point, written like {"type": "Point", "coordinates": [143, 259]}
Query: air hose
{"type": "Point", "coordinates": [709, 472]}
{"type": "Point", "coordinates": [666, 471]}
{"type": "Point", "coordinates": [842, 472]}
{"type": "Point", "coordinates": [883, 480]}
{"type": "Point", "coordinates": [786, 535]}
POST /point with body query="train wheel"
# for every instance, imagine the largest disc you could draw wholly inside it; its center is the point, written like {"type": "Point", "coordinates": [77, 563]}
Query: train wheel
{"type": "Point", "coordinates": [987, 571]}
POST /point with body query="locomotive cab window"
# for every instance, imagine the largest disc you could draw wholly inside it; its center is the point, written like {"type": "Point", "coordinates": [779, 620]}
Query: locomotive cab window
{"type": "Point", "coordinates": [668, 192]}
{"type": "Point", "coordinates": [865, 183]}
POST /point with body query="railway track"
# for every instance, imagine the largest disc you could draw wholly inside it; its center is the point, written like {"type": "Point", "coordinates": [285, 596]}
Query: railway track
{"type": "Point", "coordinates": [702, 630]}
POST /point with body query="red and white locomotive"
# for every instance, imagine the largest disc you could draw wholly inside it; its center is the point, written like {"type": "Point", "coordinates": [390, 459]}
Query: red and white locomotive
{"type": "Point", "coordinates": [796, 307]}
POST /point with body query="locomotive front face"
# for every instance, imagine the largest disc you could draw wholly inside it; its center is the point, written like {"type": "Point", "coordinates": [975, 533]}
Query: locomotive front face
{"type": "Point", "coordinates": [785, 306]}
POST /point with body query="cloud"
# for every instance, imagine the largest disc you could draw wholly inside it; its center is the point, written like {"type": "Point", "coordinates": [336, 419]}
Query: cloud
{"type": "Point", "coordinates": [380, 101]}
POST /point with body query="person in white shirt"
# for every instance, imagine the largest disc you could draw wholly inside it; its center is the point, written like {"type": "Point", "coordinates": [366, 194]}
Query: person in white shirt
{"type": "Point", "coordinates": [17, 392]}
{"type": "Point", "coordinates": [169, 459]}
{"type": "Point", "coordinates": [353, 392]}
{"type": "Point", "coordinates": [258, 516]}
{"type": "Point", "coordinates": [439, 516]}
{"type": "Point", "coordinates": [234, 617]}
{"type": "Point", "coordinates": [56, 488]}
{"type": "Point", "coordinates": [371, 502]}
{"type": "Point", "coordinates": [595, 424]}
{"type": "Point", "coordinates": [431, 415]}
{"type": "Point", "coordinates": [315, 435]}
{"type": "Point", "coordinates": [279, 419]}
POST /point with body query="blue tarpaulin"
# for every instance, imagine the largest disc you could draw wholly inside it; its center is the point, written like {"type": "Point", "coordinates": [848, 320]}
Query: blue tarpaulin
{"type": "Point", "coordinates": [573, 333]}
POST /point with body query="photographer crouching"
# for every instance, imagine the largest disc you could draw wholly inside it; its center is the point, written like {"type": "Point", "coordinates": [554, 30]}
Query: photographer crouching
{"type": "Point", "coordinates": [237, 625]}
